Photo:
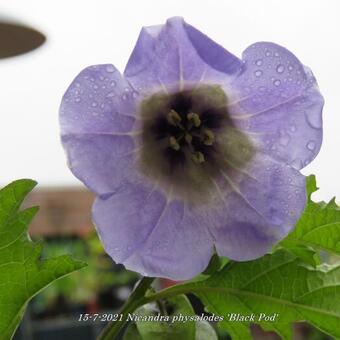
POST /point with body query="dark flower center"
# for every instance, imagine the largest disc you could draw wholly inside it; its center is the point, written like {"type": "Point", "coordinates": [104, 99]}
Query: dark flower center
{"type": "Point", "coordinates": [189, 139]}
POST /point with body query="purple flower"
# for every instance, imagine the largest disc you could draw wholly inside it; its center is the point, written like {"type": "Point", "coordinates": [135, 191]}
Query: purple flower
{"type": "Point", "coordinates": [192, 150]}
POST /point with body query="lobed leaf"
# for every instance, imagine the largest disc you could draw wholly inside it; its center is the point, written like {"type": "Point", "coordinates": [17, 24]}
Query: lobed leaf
{"type": "Point", "coordinates": [22, 273]}
{"type": "Point", "coordinates": [276, 285]}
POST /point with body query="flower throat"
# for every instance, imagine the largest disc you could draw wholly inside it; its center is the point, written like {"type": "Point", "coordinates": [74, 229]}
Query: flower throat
{"type": "Point", "coordinates": [187, 138]}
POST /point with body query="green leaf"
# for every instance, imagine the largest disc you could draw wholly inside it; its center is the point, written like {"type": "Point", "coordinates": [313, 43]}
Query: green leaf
{"type": "Point", "coordinates": [278, 286]}
{"type": "Point", "coordinates": [22, 273]}
{"type": "Point", "coordinates": [318, 227]}
{"type": "Point", "coordinates": [175, 327]}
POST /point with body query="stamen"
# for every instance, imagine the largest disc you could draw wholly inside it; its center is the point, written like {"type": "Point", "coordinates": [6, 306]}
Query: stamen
{"type": "Point", "coordinates": [188, 138]}
{"type": "Point", "coordinates": [174, 118]}
{"type": "Point", "coordinates": [173, 143]}
{"type": "Point", "coordinates": [198, 157]}
{"type": "Point", "coordinates": [194, 118]}
{"type": "Point", "coordinates": [208, 137]}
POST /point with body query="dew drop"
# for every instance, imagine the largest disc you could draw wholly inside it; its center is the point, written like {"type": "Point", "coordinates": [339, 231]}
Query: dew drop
{"type": "Point", "coordinates": [290, 67]}
{"type": "Point", "coordinates": [95, 86]}
{"type": "Point", "coordinates": [311, 145]}
{"type": "Point", "coordinates": [280, 68]}
{"type": "Point", "coordinates": [135, 94]}
{"type": "Point", "coordinates": [124, 96]}
{"type": "Point", "coordinates": [110, 69]}
{"type": "Point", "coordinates": [292, 128]}
{"type": "Point", "coordinates": [314, 119]}
{"type": "Point", "coordinates": [284, 140]}
{"type": "Point", "coordinates": [78, 100]}
{"type": "Point", "coordinates": [113, 83]}
{"type": "Point", "coordinates": [259, 62]}
{"type": "Point", "coordinates": [277, 82]}
{"type": "Point", "coordinates": [110, 94]}
{"type": "Point", "coordinates": [258, 73]}
{"type": "Point", "coordinates": [276, 54]}
{"type": "Point", "coordinates": [268, 54]}
{"type": "Point", "coordinates": [94, 104]}
{"type": "Point", "coordinates": [296, 163]}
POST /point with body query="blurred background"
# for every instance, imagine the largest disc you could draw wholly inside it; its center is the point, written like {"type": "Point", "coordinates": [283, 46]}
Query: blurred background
{"type": "Point", "coordinates": [44, 45]}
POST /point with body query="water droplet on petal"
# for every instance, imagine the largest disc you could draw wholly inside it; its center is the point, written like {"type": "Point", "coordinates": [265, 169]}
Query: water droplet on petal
{"type": "Point", "coordinates": [277, 82]}
{"type": "Point", "coordinates": [314, 119]}
{"type": "Point", "coordinates": [135, 94]}
{"type": "Point", "coordinates": [124, 96]}
{"type": "Point", "coordinates": [290, 67]}
{"type": "Point", "coordinates": [113, 83]}
{"type": "Point", "coordinates": [284, 140]}
{"type": "Point", "coordinates": [94, 104]}
{"type": "Point", "coordinates": [258, 73]}
{"type": "Point", "coordinates": [110, 94]}
{"type": "Point", "coordinates": [259, 62]}
{"type": "Point", "coordinates": [296, 163]}
{"type": "Point", "coordinates": [268, 54]}
{"type": "Point", "coordinates": [292, 128]}
{"type": "Point", "coordinates": [311, 145]}
{"type": "Point", "coordinates": [276, 54]}
{"type": "Point", "coordinates": [110, 68]}
{"type": "Point", "coordinates": [280, 68]}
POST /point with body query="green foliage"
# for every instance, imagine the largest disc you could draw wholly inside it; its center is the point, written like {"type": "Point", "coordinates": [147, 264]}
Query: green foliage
{"type": "Point", "coordinates": [176, 307]}
{"type": "Point", "coordinates": [23, 274]}
{"type": "Point", "coordinates": [84, 285]}
{"type": "Point", "coordinates": [318, 227]}
{"type": "Point", "coordinates": [276, 285]}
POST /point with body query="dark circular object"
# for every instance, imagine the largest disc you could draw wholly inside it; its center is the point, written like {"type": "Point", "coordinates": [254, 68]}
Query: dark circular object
{"type": "Point", "coordinates": [16, 39]}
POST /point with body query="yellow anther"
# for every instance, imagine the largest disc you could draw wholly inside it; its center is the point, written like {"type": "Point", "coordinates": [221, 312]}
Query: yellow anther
{"type": "Point", "coordinates": [173, 143]}
{"type": "Point", "coordinates": [194, 118]}
{"type": "Point", "coordinates": [188, 138]}
{"type": "Point", "coordinates": [174, 118]}
{"type": "Point", "coordinates": [208, 137]}
{"type": "Point", "coordinates": [198, 157]}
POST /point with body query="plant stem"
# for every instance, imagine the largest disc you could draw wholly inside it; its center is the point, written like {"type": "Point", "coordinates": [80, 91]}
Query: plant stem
{"type": "Point", "coordinates": [135, 300]}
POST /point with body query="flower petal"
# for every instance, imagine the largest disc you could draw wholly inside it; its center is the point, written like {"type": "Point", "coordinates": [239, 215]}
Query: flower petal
{"type": "Point", "coordinates": [174, 55]}
{"type": "Point", "coordinates": [279, 104]}
{"type": "Point", "coordinates": [102, 161]}
{"type": "Point", "coordinates": [149, 234]}
{"type": "Point", "coordinates": [97, 115]}
{"type": "Point", "coordinates": [98, 100]}
{"type": "Point", "coordinates": [262, 206]}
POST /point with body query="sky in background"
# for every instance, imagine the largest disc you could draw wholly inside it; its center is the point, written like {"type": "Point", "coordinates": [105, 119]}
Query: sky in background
{"type": "Point", "coordinates": [82, 33]}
